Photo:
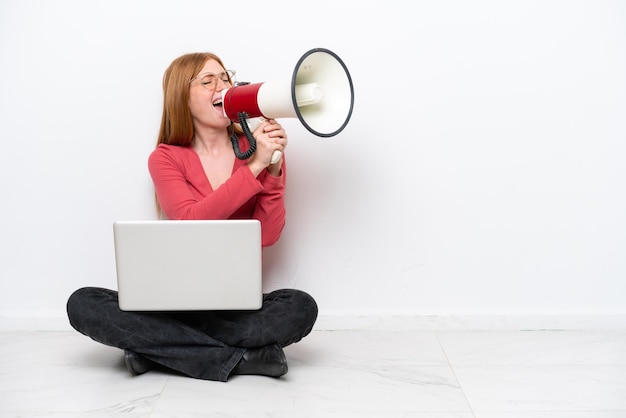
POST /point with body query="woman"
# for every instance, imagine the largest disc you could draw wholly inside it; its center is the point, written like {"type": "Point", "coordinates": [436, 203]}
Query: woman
{"type": "Point", "coordinates": [196, 176]}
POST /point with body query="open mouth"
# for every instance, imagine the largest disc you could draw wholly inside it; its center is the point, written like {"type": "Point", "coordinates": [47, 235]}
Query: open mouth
{"type": "Point", "coordinates": [217, 103]}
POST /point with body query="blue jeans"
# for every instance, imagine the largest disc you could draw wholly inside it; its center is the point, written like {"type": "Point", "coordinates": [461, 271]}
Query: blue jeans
{"type": "Point", "coordinates": [201, 344]}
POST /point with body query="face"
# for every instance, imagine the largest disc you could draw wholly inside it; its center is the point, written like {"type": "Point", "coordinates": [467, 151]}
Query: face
{"type": "Point", "coordinates": [205, 96]}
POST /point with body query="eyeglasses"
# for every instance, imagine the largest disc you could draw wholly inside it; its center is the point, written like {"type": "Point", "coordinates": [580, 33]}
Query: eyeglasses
{"type": "Point", "coordinates": [209, 80]}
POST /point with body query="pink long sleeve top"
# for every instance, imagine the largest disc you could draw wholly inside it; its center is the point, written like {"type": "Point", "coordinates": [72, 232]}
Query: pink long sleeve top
{"type": "Point", "coordinates": [184, 192]}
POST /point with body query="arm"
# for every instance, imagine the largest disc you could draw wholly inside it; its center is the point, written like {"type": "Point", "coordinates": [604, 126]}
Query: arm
{"type": "Point", "coordinates": [270, 205]}
{"type": "Point", "coordinates": [184, 193]}
{"type": "Point", "coordinates": [180, 191]}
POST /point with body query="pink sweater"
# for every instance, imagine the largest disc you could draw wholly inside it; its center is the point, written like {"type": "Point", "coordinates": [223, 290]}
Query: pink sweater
{"type": "Point", "coordinates": [184, 191]}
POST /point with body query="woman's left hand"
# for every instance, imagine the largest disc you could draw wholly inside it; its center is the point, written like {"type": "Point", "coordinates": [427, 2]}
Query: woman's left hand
{"type": "Point", "coordinates": [270, 137]}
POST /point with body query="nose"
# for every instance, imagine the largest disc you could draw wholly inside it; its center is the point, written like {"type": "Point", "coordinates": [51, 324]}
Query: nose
{"type": "Point", "coordinates": [222, 82]}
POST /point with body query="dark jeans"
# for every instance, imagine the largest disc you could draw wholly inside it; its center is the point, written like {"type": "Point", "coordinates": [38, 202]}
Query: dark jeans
{"type": "Point", "coordinates": [200, 344]}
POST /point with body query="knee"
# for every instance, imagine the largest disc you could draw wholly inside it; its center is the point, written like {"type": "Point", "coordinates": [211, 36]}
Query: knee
{"type": "Point", "coordinates": [307, 304]}
{"type": "Point", "coordinates": [304, 309]}
{"type": "Point", "coordinates": [294, 300]}
{"type": "Point", "coordinates": [76, 304]}
{"type": "Point", "coordinates": [81, 304]}
{"type": "Point", "coordinates": [73, 308]}
{"type": "Point", "coordinates": [78, 300]}
{"type": "Point", "coordinates": [303, 314]}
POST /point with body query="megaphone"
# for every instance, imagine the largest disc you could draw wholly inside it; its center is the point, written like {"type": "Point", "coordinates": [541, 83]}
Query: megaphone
{"type": "Point", "coordinates": [320, 94]}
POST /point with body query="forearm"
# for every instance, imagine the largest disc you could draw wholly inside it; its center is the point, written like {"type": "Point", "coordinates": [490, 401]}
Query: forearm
{"type": "Point", "coordinates": [270, 207]}
{"type": "Point", "coordinates": [180, 200]}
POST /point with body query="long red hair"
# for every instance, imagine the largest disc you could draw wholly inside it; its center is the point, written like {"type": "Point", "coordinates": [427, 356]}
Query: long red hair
{"type": "Point", "coordinates": [176, 121]}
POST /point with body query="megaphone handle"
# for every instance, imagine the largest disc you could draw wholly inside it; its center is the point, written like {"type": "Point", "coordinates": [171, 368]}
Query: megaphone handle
{"type": "Point", "coordinates": [276, 156]}
{"type": "Point", "coordinates": [235, 140]}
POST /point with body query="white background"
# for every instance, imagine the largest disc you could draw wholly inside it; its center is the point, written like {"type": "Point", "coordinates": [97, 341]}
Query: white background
{"type": "Point", "coordinates": [482, 172]}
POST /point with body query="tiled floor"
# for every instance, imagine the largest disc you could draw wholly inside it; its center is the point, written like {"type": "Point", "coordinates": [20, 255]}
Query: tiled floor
{"type": "Point", "coordinates": [345, 374]}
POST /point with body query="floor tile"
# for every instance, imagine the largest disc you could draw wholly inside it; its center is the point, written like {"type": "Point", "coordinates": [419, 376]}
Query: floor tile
{"type": "Point", "coordinates": [535, 348]}
{"type": "Point", "coordinates": [322, 389]}
{"type": "Point", "coordinates": [332, 374]}
{"type": "Point", "coordinates": [544, 388]}
{"type": "Point", "coordinates": [552, 414]}
{"type": "Point", "coordinates": [330, 348]}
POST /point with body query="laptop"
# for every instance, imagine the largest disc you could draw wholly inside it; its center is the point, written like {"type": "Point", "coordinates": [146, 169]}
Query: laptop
{"type": "Point", "coordinates": [165, 265]}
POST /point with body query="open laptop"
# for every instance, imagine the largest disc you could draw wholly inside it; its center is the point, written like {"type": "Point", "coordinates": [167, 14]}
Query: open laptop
{"type": "Point", "coordinates": [188, 265]}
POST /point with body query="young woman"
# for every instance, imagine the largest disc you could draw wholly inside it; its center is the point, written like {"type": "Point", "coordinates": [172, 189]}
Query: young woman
{"type": "Point", "coordinates": [196, 176]}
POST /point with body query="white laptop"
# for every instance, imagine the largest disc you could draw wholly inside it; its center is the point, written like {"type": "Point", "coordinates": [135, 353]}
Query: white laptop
{"type": "Point", "coordinates": [188, 265]}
